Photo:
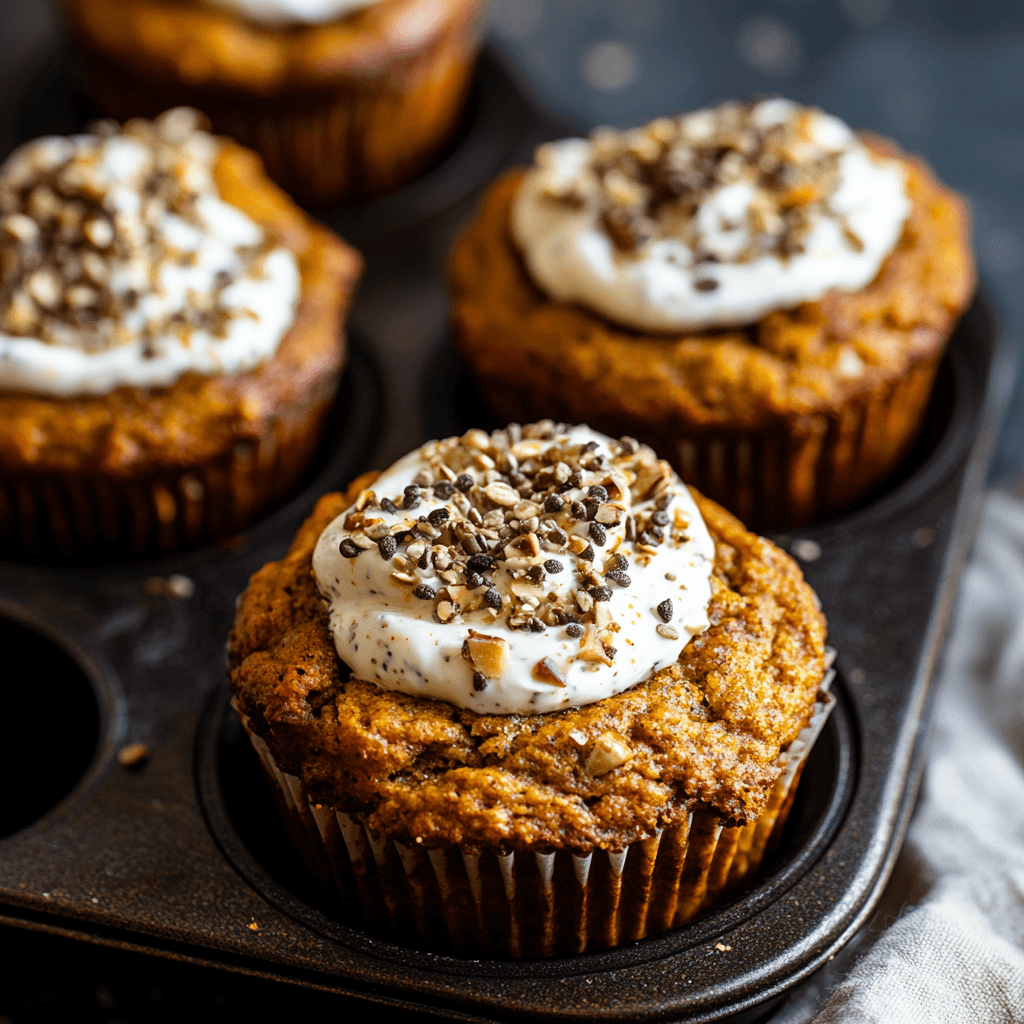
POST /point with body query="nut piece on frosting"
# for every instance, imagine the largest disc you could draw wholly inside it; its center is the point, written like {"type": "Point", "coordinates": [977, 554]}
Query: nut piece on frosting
{"type": "Point", "coordinates": [120, 264]}
{"type": "Point", "coordinates": [520, 571]}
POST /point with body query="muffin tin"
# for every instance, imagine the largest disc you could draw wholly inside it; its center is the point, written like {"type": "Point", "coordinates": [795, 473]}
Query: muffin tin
{"type": "Point", "coordinates": [177, 849]}
{"type": "Point", "coordinates": [182, 854]}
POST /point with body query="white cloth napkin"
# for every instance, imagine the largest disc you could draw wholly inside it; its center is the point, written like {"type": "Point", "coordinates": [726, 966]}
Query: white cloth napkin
{"type": "Point", "coordinates": [953, 950]}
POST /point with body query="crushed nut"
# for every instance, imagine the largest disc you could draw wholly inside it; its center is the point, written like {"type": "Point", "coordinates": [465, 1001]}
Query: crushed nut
{"type": "Point", "coordinates": [609, 751]}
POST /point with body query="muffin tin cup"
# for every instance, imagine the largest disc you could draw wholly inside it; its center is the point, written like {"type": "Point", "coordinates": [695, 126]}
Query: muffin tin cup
{"type": "Point", "coordinates": [353, 139]}
{"type": "Point", "coordinates": [543, 902]}
{"type": "Point", "coordinates": [62, 514]}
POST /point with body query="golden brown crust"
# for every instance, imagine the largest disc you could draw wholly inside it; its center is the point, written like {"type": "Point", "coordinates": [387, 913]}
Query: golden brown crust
{"type": "Point", "coordinates": [134, 432]}
{"type": "Point", "coordinates": [706, 731]}
{"type": "Point", "coordinates": [576, 366]}
{"type": "Point", "coordinates": [170, 40]}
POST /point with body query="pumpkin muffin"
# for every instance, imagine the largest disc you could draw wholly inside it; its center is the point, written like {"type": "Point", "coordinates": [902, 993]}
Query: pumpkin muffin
{"type": "Point", "coordinates": [757, 292]}
{"type": "Point", "coordinates": [345, 100]}
{"type": "Point", "coordinates": [527, 691]}
{"type": "Point", "coordinates": [170, 337]}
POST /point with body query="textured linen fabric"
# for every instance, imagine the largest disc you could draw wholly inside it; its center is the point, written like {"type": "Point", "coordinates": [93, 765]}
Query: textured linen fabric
{"type": "Point", "coordinates": [955, 949]}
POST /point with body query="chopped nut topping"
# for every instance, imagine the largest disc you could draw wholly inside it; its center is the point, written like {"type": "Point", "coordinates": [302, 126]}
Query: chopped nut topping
{"type": "Point", "coordinates": [487, 654]}
{"type": "Point", "coordinates": [546, 672]}
{"type": "Point", "coordinates": [609, 751]}
{"type": "Point", "coordinates": [650, 183]}
{"type": "Point", "coordinates": [82, 248]}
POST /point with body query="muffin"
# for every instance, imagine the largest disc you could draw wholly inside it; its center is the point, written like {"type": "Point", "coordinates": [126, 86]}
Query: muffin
{"type": "Point", "coordinates": [170, 337]}
{"type": "Point", "coordinates": [526, 692]}
{"type": "Point", "coordinates": [344, 99]}
{"type": "Point", "coordinates": [754, 290]}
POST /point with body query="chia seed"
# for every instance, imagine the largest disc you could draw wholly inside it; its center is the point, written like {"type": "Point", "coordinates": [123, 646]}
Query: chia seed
{"type": "Point", "coordinates": [574, 629]}
{"type": "Point", "coordinates": [553, 566]}
{"type": "Point", "coordinates": [665, 610]}
{"type": "Point", "coordinates": [424, 593]}
{"type": "Point", "coordinates": [387, 547]}
{"type": "Point", "coordinates": [348, 549]}
{"type": "Point", "coordinates": [480, 563]}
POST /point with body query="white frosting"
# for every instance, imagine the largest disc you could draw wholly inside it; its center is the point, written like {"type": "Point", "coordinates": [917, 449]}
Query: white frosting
{"type": "Point", "coordinates": [389, 636]}
{"type": "Point", "coordinates": [573, 259]}
{"type": "Point", "coordinates": [291, 12]}
{"type": "Point", "coordinates": [172, 268]}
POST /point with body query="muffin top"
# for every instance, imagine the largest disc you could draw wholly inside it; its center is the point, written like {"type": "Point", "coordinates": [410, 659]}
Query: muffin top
{"type": "Point", "coordinates": [706, 730]}
{"type": "Point", "coordinates": [121, 264]}
{"type": "Point", "coordinates": [711, 219]}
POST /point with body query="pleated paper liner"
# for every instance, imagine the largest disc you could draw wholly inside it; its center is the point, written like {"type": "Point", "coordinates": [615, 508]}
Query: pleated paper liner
{"type": "Point", "coordinates": [540, 903]}
{"type": "Point", "coordinates": [802, 470]}
{"type": "Point", "coordinates": [165, 511]}
{"type": "Point", "coordinates": [347, 141]}
{"type": "Point", "coordinates": [812, 467]}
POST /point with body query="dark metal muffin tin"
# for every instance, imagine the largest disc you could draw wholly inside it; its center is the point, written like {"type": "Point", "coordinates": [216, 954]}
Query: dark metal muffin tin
{"type": "Point", "coordinates": [182, 854]}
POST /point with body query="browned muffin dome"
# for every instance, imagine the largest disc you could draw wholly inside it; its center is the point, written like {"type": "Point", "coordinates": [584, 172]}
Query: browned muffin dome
{"type": "Point", "coordinates": [199, 458]}
{"type": "Point", "coordinates": [340, 111]}
{"type": "Point", "coordinates": [765, 419]}
{"type": "Point", "coordinates": [704, 733]}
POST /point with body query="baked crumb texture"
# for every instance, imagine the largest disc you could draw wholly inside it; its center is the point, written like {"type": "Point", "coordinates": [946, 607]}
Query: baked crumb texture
{"type": "Point", "coordinates": [786, 422]}
{"type": "Point", "coordinates": [339, 112]}
{"type": "Point", "coordinates": [156, 470]}
{"type": "Point", "coordinates": [532, 835]}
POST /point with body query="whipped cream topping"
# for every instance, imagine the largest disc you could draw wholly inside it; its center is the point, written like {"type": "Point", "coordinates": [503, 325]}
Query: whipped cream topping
{"type": "Point", "coordinates": [524, 571]}
{"type": "Point", "coordinates": [711, 219]}
{"type": "Point", "coordinates": [291, 12]}
{"type": "Point", "coordinates": [121, 265]}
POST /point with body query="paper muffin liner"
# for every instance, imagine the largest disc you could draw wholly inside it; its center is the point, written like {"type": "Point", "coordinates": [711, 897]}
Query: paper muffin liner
{"type": "Point", "coordinates": [165, 511]}
{"type": "Point", "coordinates": [810, 467]}
{"type": "Point", "coordinates": [540, 902]}
{"type": "Point", "coordinates": [801, 471]}
{"type": "Point", "coordinates": [353, 140]}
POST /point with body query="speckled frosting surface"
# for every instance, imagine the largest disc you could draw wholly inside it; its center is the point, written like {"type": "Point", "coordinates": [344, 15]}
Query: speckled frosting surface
{"type": "Point", "coordinates": [528, 570]}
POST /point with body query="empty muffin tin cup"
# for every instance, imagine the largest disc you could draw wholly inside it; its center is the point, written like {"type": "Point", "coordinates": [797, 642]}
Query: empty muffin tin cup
{"type": "Point", "coordinates": [544, 902]}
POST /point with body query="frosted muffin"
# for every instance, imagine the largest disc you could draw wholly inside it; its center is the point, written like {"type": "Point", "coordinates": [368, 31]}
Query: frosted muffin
{"type": "Point", "coordinates": [526, 691]}
{"type": "Point", "coordinates": [758, 292]}
{"type": "Point", "coordinates": [170, 337]}
{"type": "Point", "coordinates": [344, 99]}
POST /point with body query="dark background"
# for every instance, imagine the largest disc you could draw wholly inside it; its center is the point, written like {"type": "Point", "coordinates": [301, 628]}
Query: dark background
{"type": "Point", "coordinates": [945, 80]}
